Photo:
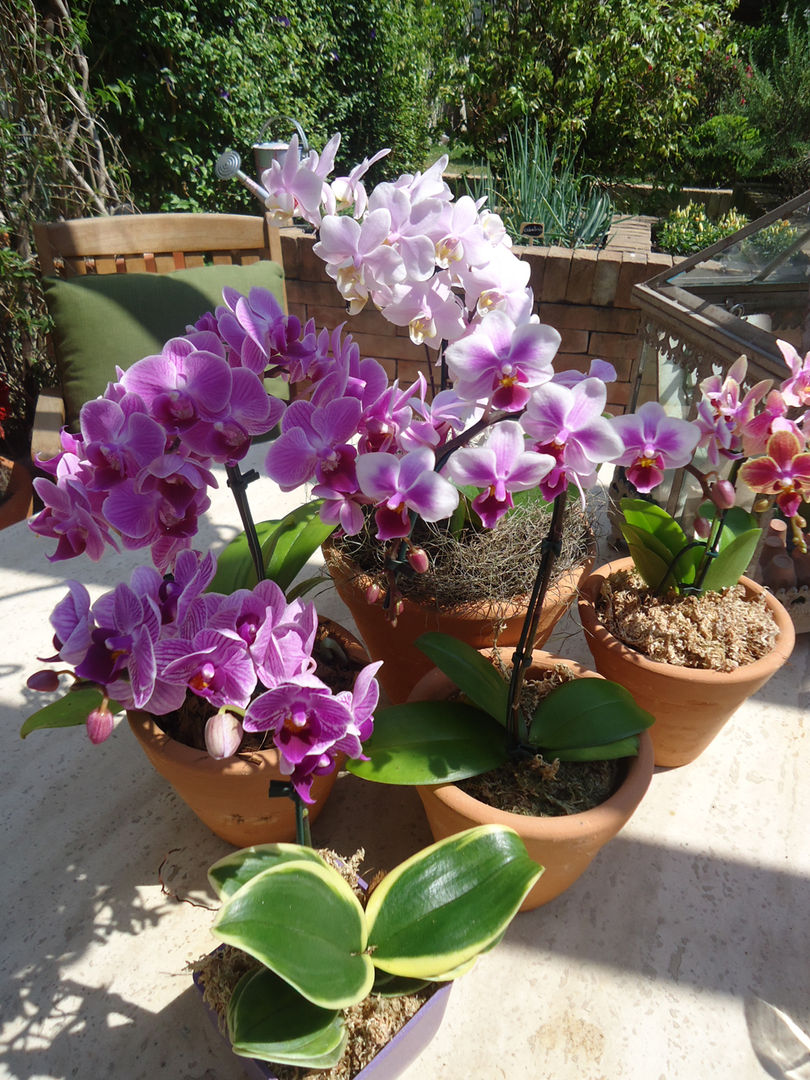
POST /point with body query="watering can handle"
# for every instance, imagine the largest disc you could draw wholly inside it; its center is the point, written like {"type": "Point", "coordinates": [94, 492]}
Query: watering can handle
{"type": "Point", "coordinates": [295, 124]}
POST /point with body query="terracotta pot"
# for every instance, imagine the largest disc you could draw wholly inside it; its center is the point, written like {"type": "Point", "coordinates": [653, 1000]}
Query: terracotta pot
{"type": "Point", "coordinates": [404, 664]}
{"type": "Point", "coordinates": [231, 796]}
{"type": "Point", "coordinates": [690, 705]}
{"type": "Point", "coordinates": [393, 1059]}
{"type": "Point", "coordinates": [565, 846]}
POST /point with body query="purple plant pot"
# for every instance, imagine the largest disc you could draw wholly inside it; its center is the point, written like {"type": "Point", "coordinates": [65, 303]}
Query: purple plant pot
{"type": "Point", "coordinates": [392, 1060]}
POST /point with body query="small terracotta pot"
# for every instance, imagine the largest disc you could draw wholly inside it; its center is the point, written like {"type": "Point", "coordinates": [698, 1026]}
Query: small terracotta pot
{"type": "Point", "coordinates": [565, 846]}
{"type": "Point", "coordinates": [690, 705]}
{"type": "Point", "coordinates": [231, 796]}
{"type": "Point", "coordinates": [404, 664]}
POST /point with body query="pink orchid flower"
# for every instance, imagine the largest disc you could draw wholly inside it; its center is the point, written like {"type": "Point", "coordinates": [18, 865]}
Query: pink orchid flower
{"type": "Point", "coordinates": [784, 472]}
{"type": "Point", "coordinates": [796, 389]}
{"type": "Point", "coordinates": [501, 466]}
{"type": "Point", "coordinates": [399, 485]}
{"type": "Point", "coordinates": [500, 363]}
{"type": "Point", "coordinates": [653, 442]}
{"type": "Point", "coordinates": [567, 423]}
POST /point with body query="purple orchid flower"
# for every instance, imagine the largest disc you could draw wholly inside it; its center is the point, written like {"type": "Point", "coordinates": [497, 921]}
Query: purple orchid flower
{"type": "Point", "coordinates": [402, 484]}
{"type": "Point", "coordinates": [311, 727]}
{"type": "Point", "coordinates": [567, 423]}
{"type": "Point", "coordinates": [314, 443]}
{"type": "Point", "coordinates": [216, 666]}
{"type": "Point", "coordinates": [72, 514]}
{"type": "Point", "coordinates": [501, 466]}
{"type": "Point", "coordinates": [501, 363]}
{"type": "Point", "coordinates": [653, 442]}
{"type": "Point", "coordinates": [73, 623]}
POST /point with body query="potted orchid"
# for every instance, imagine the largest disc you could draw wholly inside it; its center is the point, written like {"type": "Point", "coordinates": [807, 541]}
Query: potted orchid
{"type": "Point", "coordinates": [221, 654]}
{"type": "Point", "coordinates": [314, 942]}
{"type": "Point", "coordinates": [680, 615]}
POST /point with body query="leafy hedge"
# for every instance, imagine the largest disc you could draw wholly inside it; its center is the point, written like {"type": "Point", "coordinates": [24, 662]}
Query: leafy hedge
{"type": "Point", "coordinates": [186, 79]}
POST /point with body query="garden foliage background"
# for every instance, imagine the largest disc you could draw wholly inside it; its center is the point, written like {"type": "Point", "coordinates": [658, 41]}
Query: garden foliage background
{"type": "Point", "coordinates": [124, 104]}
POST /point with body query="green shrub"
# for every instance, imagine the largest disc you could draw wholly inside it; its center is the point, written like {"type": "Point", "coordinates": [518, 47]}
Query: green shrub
{"type": "Point", "coordinates": [724, 149]}
{"type": "Point", "coordinates": [538, 183]}
{"type": "Point", "coordinates": [186, 79]}
{"type": "Point", "coordinates": [616, 76]}
{"type": "Point", "coordinates": [689, 229]}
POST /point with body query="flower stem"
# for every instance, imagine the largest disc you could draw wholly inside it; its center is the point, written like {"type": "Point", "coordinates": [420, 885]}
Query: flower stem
{"type": "Point", "coordinates": [522, 656]}
{"type": "Point", "coordinates": [284, 789]}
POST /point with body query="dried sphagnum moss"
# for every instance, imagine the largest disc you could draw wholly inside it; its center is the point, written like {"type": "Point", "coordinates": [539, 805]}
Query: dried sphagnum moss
{"type": "Point", "coordinates": [717, 631]}
{"type": "Point", "coordinates": [478, 569]}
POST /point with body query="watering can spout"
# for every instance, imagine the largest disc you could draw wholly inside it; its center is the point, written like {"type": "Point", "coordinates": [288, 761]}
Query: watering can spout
{"type": "Point", "coordinates": [227, 167]}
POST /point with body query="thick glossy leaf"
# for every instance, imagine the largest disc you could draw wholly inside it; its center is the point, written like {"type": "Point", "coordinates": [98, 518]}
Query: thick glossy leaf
{"type": "Point", "coordinates": [234, 564]}
{"type": "Point", "coordinates": [232, 872]}
{"type": "Point", "coordinates": [69, 711]}
{"type": "Point", "coordinates": [652, 519]}
{"type": "Point", "coordinates": [471, 672]}
{"type": "Point", "coordinates": [736, 522]}
{"type": "Point", "coordinates": [293, 541]}
{"type": "Point", "coordinates": [303, 922]}
{"type": "Point", "coordinates": [430, 742]}
{"type": "Point", "coordinates": [441, 908]}
{"type": "Point", "coordinates": [269, 1020]}
{"type": "Point", "coordinates": [650, 566]}
{"type": "Point", "coordinates": [683, 569]}
{"type": "Point", "coordinates": [586, 713]}
{"type": "Point", "coordinates": [731, 563]}
{"type": "Point", "coordinates": [623, 748]}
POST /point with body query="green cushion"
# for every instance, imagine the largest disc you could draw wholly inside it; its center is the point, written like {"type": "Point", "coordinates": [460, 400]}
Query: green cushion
{"type": "Point", "coordinates": [110, 320]}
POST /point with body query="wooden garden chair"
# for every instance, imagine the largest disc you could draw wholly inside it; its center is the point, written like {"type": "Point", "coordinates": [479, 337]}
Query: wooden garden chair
{"type": "Point", "coordinates": [117, 288]}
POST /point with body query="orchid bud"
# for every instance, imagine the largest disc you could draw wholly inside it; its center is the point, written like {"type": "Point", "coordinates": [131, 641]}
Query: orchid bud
{"type": "Point", "coordinates": [43, 681]}
{"type": "Point", "coordinates": [99, 724]}
{"type": "Point", "coordinates": [223, 735]}
{"type": "Point", "coordinates": [702, 527]}
{"type": "Point", "coordinates": [723, 495]}
{"type": "Point", "coordinates": [418, 559]}
{"type": "Point", "coordinates": [373, 594]}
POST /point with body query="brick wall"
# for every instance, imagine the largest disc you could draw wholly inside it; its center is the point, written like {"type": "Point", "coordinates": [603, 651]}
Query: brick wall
{"type": "Point", "coordinates": [584, 294]}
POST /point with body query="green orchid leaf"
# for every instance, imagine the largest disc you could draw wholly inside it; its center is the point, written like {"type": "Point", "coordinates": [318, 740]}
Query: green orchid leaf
{"type": "Point", "coordinates": [270, 1021]}
{"type": "Point", "coordinates": [235, 568]}
{"type": "Point", "coordinates": [651, 568]}
{"type": "Point", "coordinates": [294, 540]}
{"type": "Point", "coordinates": [586, 713]}
{"type": "Point", "coordinates": [622, 748]}
{"type": "Point", "coordinates": [460, 517]}
{"type": "Point", "coordinates": [303, 922]}
{"type": "Point", "coordinates": [233, 871]}
{"type": "Point", "coordinates": [386, 985]}
{"type": "Point", "coordinates": [430, 742]}
{"type": "Point", "coordinates": [732, 561]}
{"type": "Point", "coordinates": [69, 711]}
{"type": "Point", "coordinates": [684, 568]}
{"type": "Point", "coordinates": [439, 909]}
{"type": "Point", "coordinates": [736, 522]}
{"type": "Point", "coordinates": [467, 669]}
{"type": "Point", "coordinates": [303, 587]}
{"type": "Point", "coordinates": [652, 519]}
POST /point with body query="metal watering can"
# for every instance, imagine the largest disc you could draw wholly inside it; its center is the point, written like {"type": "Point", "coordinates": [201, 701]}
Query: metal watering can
{"type": "Point", "coordinates": [265, 153]}
{"type": "Point", "coordinates": [227, 165]}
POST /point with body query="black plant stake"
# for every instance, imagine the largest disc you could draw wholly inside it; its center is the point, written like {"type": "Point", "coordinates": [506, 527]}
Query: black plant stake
{"type": "Point", "coordinates": [522, 656]}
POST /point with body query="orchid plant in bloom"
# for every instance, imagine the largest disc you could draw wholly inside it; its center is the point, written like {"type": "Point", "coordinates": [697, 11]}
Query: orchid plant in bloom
{"type": "Point", "coordinates": [760, 435]}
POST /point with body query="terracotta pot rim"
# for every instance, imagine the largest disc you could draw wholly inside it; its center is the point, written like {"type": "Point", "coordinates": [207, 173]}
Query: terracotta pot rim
{"type": "Point", "coordinates": [618, 807]}
{"type": "Point", "coordinates": [147, 730]}
{"type": "Point", "coordinates": [782, 647]}
{"type": "Point", "coordinates": [566, 585]}
{"type": "Point", "coordinates": [628, 795]}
